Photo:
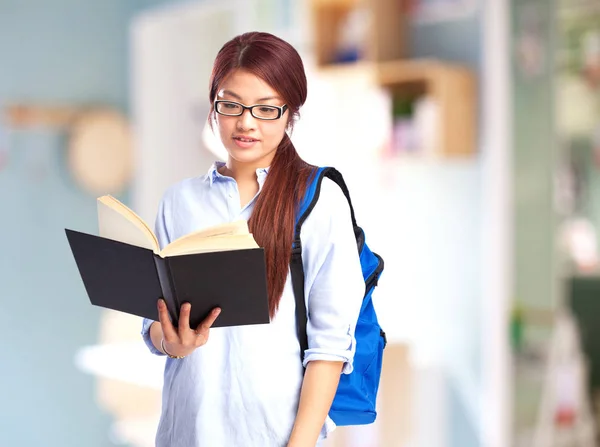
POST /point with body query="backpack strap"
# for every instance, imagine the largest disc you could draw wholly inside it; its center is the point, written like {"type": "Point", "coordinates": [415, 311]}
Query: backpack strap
{"type": "Point", "coordinates": [296, 268]}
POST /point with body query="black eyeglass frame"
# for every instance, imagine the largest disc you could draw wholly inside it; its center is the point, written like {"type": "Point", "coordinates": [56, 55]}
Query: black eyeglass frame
{"type": "Point", "coordinates": [281, 109]}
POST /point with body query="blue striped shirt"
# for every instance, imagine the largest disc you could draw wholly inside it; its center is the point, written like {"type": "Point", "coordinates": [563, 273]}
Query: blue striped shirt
{"type": "Point", "coordinates": [242, 388]}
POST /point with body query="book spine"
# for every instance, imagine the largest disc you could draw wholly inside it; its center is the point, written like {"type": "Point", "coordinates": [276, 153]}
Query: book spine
{"type": "Point", "coordinates": [167, 287]}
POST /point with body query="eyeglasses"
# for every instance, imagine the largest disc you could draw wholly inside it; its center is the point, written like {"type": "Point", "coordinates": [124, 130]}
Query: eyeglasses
{"type": "Point", "coordinates": [259, 111]}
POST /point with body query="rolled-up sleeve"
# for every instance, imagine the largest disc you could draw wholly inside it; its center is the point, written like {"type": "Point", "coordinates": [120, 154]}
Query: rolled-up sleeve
{"type": "Point", "coordinates": [161, 231]}
{"type": "Point", "coordinates": [334, 284]}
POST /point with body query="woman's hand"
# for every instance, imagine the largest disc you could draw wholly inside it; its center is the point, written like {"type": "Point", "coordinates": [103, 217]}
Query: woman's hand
{"type": "Point", "coordinates": [183, 340]}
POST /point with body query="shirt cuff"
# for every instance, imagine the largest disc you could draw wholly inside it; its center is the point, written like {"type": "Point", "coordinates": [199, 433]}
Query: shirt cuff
{"type": "Point", "coordinates": [315, 354]}
{"type": "Point", "coordinates": [146, 336]}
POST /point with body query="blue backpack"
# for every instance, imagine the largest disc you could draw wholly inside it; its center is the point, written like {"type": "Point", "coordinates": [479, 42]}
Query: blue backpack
{"type": "Point", "coordinates": [354, 402]}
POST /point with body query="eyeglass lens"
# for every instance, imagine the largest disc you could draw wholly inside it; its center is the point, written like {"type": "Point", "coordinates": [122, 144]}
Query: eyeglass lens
{"type": "Point", "coordinates": [259, 111]}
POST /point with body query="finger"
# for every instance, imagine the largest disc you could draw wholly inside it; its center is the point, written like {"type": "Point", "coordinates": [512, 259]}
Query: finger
{"type": "Point", "coordinates": [203, 327]}
{"type": "Point", "coordinates": [184, 318]}
{"type": "Point", "coordinates": [169, 332]}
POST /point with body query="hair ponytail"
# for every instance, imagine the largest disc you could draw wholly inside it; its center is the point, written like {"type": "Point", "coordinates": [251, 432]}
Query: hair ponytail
{"type": "Point", "coordinates": [274, 216]}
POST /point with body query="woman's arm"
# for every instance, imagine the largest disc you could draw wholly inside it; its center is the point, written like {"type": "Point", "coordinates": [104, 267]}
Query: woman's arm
{"type": "Point", "coordinates": [320, 383]}
{"type": "Point", "coordinates": [335, 286]}
{"type": "Point", "coordinates": [156, 335]}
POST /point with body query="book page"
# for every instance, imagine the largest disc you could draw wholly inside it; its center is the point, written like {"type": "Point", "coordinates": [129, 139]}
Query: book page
{"type": "Point", "coordinates": [212, 244]}
{"type": "Point", "coordinates": [191, 240]}
{"type": "Point", "coordinates": [117, 222]}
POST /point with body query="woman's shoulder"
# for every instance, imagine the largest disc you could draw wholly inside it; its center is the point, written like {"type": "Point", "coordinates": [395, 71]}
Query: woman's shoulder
{"type": "Point", "coordinates": [331, 204]}
{"type": "Point", "coordinates": [331, 197]}
{"type": "Point", "coordinates": [331, 192]}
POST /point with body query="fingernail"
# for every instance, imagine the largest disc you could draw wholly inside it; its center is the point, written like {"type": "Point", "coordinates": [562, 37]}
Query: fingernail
{"type": "Point", "coordinates": [217, 311]}
{"type": "Point", "coordinates": [161, 303]}
{"type": "Point", "coordinates": [187, 306]}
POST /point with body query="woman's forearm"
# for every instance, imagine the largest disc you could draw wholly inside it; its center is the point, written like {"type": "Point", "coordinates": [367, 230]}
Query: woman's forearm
{"type": "Point", "coordinates": [321, 380]}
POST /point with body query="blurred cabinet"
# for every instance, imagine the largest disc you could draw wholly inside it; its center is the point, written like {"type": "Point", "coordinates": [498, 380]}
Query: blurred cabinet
{"type": "Point", "coordinates": [381, 22]}
{"type": "Point", "coordinates": [372, 35]}
{"type": "Point", "coordinates": [453, 90]}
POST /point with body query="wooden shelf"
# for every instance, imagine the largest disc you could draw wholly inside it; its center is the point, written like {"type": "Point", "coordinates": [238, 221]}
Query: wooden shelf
{"type": "Point", "coordinates": [384, 40]}
{"type": "Point", "coordinates": [334, 3]}
{"type": "Point", "coordinates": [384, 62]}
{"type": "Point", "coordinates": [361, 68]}
{"type": "Point", "coordinates": [398, 72]}
{"type": "Point", "coordinates": [28, 115]}
{"type": "Point", "coordinates": [451, 86]}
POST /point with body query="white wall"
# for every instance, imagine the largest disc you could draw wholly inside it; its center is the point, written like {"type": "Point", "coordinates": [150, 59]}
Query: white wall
{"type": "Point", "coordinates": [498, 225]}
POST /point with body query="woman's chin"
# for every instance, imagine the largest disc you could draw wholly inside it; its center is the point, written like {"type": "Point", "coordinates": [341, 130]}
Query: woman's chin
{"type": "Point", "coordinates": [252, 155]}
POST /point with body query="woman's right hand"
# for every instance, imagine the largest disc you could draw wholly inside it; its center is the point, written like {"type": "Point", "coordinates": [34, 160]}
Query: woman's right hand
{"type": "Point", "coordinates": [183, 340]}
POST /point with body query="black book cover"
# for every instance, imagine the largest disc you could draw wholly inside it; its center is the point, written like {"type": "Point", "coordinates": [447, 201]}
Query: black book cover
{"type": "Point", "coordinates": [131, 279]}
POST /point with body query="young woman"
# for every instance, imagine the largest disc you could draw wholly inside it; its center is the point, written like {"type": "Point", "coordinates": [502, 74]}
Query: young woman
{"type": "Point", "coordinates": [246, 386]}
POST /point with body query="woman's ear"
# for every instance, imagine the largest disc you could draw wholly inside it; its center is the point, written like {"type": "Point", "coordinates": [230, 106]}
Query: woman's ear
{"type": "Point", "coordinates": [289, 129]}
{"type": "Point", "coordinates": [290, 124]}
{"type": "Point", "coordinates": [212, 118]}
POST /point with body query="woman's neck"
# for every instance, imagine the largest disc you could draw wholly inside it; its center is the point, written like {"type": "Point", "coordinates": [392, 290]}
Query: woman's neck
{"type": "Point", "coordinates": [246, 179]}
{"type": "Point", "coordinates": [241, 172]}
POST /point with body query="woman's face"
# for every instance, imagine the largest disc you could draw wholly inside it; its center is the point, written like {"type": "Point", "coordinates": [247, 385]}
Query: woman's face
{"type": "Point", "coordinates": [249, 140]}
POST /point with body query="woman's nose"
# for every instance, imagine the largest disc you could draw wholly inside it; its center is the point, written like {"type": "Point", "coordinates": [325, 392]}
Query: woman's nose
{"type": "Point", "coordinates": [246, 120]}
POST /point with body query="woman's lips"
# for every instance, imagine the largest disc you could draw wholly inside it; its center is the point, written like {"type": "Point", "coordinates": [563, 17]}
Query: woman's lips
{"type": "Point", "coordinates": [245, 142]}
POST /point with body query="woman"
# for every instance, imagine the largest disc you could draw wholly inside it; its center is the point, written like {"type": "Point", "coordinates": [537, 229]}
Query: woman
{"type": "Point", "coordinates": [246, 387]}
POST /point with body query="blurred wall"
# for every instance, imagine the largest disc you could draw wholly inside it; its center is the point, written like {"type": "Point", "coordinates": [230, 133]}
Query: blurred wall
{"type": "Point", "coordinates": [535, 154]}
{"type": "Point", "coordinates": [460, 41]}
{"type": "Point", "coordinates": [60, 52]}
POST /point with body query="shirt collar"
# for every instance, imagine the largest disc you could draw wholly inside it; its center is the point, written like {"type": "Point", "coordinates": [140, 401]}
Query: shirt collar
{"type": "Point", "coordinates": [214, 174]}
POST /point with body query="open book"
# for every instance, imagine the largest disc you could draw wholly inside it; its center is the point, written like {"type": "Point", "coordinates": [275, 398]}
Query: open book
{"type": "Point", "coordinates": [118, 222]}
{"type": "Point", "coordinates": [125, 269]}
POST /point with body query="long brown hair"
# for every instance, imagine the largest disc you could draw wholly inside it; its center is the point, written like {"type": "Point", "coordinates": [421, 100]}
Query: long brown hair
{"type": "Point", "coordinates": [273, 219]}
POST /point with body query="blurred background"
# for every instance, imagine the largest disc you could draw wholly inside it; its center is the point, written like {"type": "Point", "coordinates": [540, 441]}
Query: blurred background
{"type": "Point", "coordinates": [468, 132]}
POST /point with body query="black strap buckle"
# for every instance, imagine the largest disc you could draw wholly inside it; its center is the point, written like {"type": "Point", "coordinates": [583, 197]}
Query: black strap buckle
{"type": "Point", "coordinates": [385, 341]}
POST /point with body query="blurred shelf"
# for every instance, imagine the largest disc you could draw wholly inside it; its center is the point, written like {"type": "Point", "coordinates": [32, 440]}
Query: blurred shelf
{"type": "Point", "coordinates": [351, 69]}
{"type": "Point", "coordinates": [31, 115]}
{"type": "Point", "coordinates": [383, 60]}
{"type": "Point", "coordinates": [401, 71]}
{"type": "Point", "coordinates": [451, 86]}
{"type": "Point", "coordinates": [384, 21]}
{"type": "Point", "coordinates": [334, 3]}
{"type": "Point", "coordinates": [415, 70]}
